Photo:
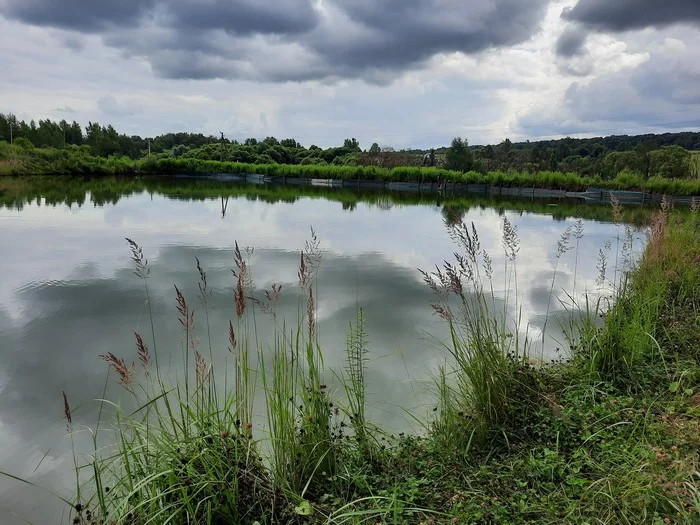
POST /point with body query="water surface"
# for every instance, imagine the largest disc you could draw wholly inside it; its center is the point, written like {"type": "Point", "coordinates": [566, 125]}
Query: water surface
{"type": "Point", "coordinates": [68, 294]}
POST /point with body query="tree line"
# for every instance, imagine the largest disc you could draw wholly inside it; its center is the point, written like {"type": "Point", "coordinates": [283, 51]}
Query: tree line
{"type": "Point", "coordinates": [667, 155]}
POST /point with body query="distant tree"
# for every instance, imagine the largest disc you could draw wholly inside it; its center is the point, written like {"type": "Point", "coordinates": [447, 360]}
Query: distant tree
{"type": "Point", "coordinates": [506, 146]}
{"type": "Point", "coordinates": [695, 165]}
{"type": "Point", "coordinates": [617, 161]}
{"type": "Point", "coordinates": [264, 159]}
{"type": "Point", "coordinates": [375, 149]}
{"type": "Point", "coordinates": [598, 150]}
{"type": "Point", "coordinates": [536, 154]}
{"type": "Point", "coordinates": [582, 151]}
{"type": "Point", "coordinates": [573, 164]}
{"type": "Point", "coordinates": [459, 157]}
{"type": "Point", "coordinates": [289, 143]}
{"type": "Point", "coordinates": [672, 162]}
{"type": "Point", "coordinates": [251, 142]}
{"type": "Point", "coordinates": [643, 149]}
{"type": "Point", "coordinates": [352, 144]}
{"type": "Point", "coordinates": [487, 152]}
{"type": "Point", "coordinates": [180, 150]}
{"type": "Point", "coordinates": [314, 147]}
{"type": "Point", "coordinates": [563, 150]}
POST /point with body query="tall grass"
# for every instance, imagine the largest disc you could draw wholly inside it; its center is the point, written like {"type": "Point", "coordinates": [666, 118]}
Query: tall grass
{"type": "Point", "coordinates": [624, 348]}
{"type": "Point", "coordinates": [484, 386]}
{"type": "Point", "coordinates": [552, 180]}
{"type": "Point", "coordinates": [188, 452]}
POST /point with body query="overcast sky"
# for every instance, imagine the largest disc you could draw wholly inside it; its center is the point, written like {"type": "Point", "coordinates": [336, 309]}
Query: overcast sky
{"type": "Point", "coordinates": [399, 72]}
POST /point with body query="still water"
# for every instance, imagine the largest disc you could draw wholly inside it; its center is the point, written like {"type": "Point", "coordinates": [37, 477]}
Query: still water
{"type": "Point", "coordinates": [68, 294]}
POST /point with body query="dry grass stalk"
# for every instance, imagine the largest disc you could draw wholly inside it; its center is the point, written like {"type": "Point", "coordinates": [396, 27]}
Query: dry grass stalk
{"type": "Point", "coordinates": [602, 267]}
{"type": "Point", "coordinates": [186, 315]}
{"type": "Point", "coordinates": [201, 369]}
{"type": "Point", "coordinates": [564, 243]}
{"type": "Point", "coordinates": [273, 297]}
{"type": "Point", "coordinates": [144, 356]}
{"type": "Point", "coordinates": [510, 241]}
{"type": "Point", "coordinates": [578, 229]}
{"type": "Point", "coordinates": [241, 271]}
{"type": "Point", "coordinates": [441, 311]}
{"type": "Point", "coordinates": [204, 291]}
{"type": "Point", "coordinates": [469, 241]}
{"type": "Point", "coordinates": [617, 214]}
{"type": "Point", "coordinates": [239, 296]}
{"type": "Point", "coordinates": [142, 269]}
{"type": "Point", "coordinates": [310, 262]}
{"type": "Point", "coordinates": [67, 412]}
{"type": "Point", "coordinates": [429, 281]}
{"type": "Point", "coordinates": [694, 205]}
{"type": "Point", "coordinates": [312, 250]}
{"type": "Point", "coordinates": [665, 204]}
{"type": "Point", "coordinates": [488, 265]}
{"type": "Point", "coordinates": [303, 273]}
{"type": "Point", "coordinates": [454, 279]}
{"type": "Point", "coordinates": [125, 372]}
{"type": "Point", "coordinates": [657, 234]}
{"type": "Point", "coordinates": [231, 338]}
{"type": "Point", "coordinates": [311, 314]}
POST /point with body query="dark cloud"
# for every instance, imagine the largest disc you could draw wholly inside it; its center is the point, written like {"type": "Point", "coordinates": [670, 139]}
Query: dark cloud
{"type": "Point", "coordinates": [82, 15]}
{"type": "Point", "coordinates": [570, 43]}
{"type": "Point", "coordinates": [624, 15]}
{"type": "Point", "coordinates": [290, 40]}
{"type": "Point", "coordinates": [401, 33]}
{"type": "Point", "coordinates": [245, 17]}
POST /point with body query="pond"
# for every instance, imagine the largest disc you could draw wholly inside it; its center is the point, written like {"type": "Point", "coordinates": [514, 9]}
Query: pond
{"type": "Point", "coordinates": [68, 294]}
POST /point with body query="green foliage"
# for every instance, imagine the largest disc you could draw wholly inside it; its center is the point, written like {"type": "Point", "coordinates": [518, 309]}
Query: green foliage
{"type": "Point", "coordinates": [650, 156]}
{"type": "Point", "coordinates": [671, 162]}
{"type": "Point", "coordinates": [352, 144]}
{"type": "Point", "coordinates": [459, 157]}
{"type": "Point", "coordinates": [24, 144]}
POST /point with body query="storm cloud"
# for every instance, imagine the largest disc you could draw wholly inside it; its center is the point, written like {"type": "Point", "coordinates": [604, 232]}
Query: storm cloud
{"type": "Point", "coordinates": [571, 42]}
{"type": "Point", "coordinates": [289, 40]}
{"type": "Point", "coordinates": [81, 15]}
{"type": "Point", "coordinates": [625, 15]}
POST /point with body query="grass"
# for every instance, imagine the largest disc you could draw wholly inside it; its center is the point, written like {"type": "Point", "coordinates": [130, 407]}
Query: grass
{"type": "Point", "coordinates": [610, 435]}
{"type": "Point", "coordinates": [551, 180]}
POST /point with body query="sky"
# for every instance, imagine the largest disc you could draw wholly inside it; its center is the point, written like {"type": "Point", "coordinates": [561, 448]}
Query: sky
{"type": "Point", "coordinates": [402, 73]}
